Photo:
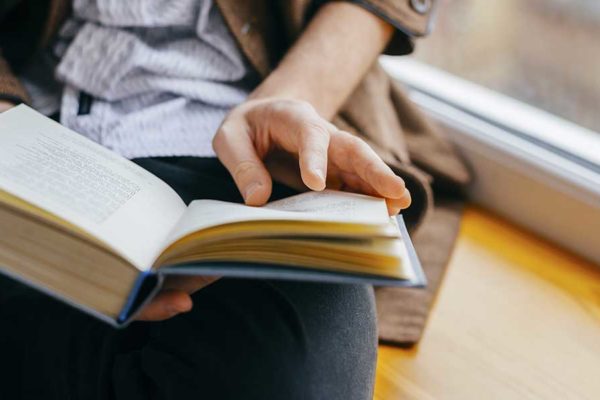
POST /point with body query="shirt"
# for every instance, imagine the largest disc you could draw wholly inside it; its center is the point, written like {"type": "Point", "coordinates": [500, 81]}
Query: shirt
{"type": "Point", "coordinates": [148, 78]}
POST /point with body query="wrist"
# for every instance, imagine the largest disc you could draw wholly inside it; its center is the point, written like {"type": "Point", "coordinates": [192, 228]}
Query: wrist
{"type": "Point", "coordinates": [285, 90]}
{"type": "Point", "coordinates": [274, 88]}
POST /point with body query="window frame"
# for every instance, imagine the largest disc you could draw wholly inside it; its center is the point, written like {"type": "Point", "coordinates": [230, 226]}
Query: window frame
{"type": "Point", "coordinates": [521, 156]}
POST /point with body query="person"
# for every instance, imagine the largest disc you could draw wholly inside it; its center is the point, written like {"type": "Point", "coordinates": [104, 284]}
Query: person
{"type": "Point", "coordinates": [166, 84]}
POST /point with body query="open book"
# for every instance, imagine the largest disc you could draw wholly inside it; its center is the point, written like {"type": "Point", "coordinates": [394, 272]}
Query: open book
{"type": "Point", "coordinates": [100, 233]}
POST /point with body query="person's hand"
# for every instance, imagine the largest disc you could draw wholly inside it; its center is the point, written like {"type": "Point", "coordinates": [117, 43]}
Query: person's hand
{"type": "Point", "coordinates": [260, 130]}
{"type": "Point", "coordinates": [5, 105]}
{"type": "Point", "coordinates": [274, 137]}
{"type": "Point", "coordinates": [174, 298]}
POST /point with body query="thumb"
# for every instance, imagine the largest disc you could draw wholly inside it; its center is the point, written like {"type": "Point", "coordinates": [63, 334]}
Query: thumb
{"type": "Point", "coordinates": [165, 305]}
{"type": "Point", "coordinates": [236, 151]}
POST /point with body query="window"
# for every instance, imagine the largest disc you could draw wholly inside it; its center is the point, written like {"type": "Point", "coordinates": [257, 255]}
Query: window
{"type": "Point", "coordinates": [516, 86]}
{"type": "Point", "coordinates": [542, 52]}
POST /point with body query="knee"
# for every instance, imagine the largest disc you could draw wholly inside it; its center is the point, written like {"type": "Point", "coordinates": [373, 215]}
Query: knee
{"type": "Point", "coordinates": [278, 339]}
{"type": "Point", "coordinates": [346, 316]}
{"type": "Point", "coordinates": [341, 340]}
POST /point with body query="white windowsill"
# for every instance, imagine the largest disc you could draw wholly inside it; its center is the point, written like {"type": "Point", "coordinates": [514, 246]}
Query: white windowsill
{"type": "Point", "coordinates": [536, 169]}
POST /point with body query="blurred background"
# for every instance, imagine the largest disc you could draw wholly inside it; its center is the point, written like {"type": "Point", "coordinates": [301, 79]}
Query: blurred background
{"type": "Point", "coordinates": [543, 52]}
{"type": "Point", "coordinates": [515, 85]}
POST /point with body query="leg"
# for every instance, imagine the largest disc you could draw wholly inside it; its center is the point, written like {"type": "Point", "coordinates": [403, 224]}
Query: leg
{"type": "Point", "coordinates": [244, 338]}
{"type": "Point", "coordinates": [322, 344]}
{"type": "Point", "coordinates": [258, 340]}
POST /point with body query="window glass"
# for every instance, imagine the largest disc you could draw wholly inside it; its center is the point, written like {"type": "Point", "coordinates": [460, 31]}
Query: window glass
{"type": "Point", "coordinates": [543, 52]}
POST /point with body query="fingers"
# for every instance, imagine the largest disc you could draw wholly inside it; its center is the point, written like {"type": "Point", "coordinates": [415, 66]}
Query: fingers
{"type": "Point", "coordinates": [354, 183]}
{"type": "Point", "coordinates": [396, 205]}
{"type": "Point", "coordinates": [352, 154]}
{"type": "Point", "coordinates": [297, 128]}
{"type": "Point", "coordinates": [234, 147]}
{"type": "Point", "coordinates": [257, 127]}
{"type": "Point", "coordinates": [188, 284]}
{"type": "Point", "coordinates": [175, 297]}
{"type": "Point", "coordinates": [283, 168]}
{"type": "Point", "coordinates": [350, 181]}
{"type": "Point", "coordinates": [312, 153]}
{"type": "Point", "coordinates": [293, 126]}
{"type": "Point", "coordinates": [165, 305]}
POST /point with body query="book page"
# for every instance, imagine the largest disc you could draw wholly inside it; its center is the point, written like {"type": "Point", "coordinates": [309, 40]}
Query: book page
{"type": "Point", "coordinates": [85, 184]}
{"type": "Point", "coordinates": [325, 206]}
{"type": "Point", "coordinates": [333, 205]}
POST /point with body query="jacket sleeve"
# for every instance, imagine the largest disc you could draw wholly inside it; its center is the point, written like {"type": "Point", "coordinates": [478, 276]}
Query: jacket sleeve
{"type": "Point", "coordinates": [411, 18]}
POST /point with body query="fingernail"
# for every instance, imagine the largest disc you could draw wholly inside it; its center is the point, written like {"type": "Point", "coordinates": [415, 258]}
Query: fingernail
{"type": "Point", "coordinates": [251, 189]}
{"type": "Point", "coordinates": [320, 173]}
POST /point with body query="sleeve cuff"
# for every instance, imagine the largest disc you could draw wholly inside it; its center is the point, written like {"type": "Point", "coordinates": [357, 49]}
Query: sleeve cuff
{"type": "Point", "coordinates": [411, 18]}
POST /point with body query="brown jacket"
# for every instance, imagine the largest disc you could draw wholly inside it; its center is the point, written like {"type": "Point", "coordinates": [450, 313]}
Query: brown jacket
{"type": "Point", "coordinates": [378, 111]}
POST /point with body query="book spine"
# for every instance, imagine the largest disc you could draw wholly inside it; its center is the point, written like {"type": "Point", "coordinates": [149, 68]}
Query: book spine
{"type": "Point", "coordinates": [146, 286]}
{"type": "Point", "coordinates": [421, 279]}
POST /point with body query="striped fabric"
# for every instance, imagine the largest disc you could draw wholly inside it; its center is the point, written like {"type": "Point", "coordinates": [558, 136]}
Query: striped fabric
{"type": "Point", "coordinates": [162, 74]}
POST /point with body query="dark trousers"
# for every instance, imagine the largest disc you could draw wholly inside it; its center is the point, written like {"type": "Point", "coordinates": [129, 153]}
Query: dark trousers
{"type": "Point", "coordinates": [244, 339]}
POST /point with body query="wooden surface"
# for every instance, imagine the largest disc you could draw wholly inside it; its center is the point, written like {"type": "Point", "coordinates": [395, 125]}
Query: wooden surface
{"type": "Point", "coordinates": [517, 318]}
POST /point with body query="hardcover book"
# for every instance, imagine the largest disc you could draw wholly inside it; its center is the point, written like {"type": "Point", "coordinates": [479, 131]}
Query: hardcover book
{"type": "Point", "coordinates": [100, 233]}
